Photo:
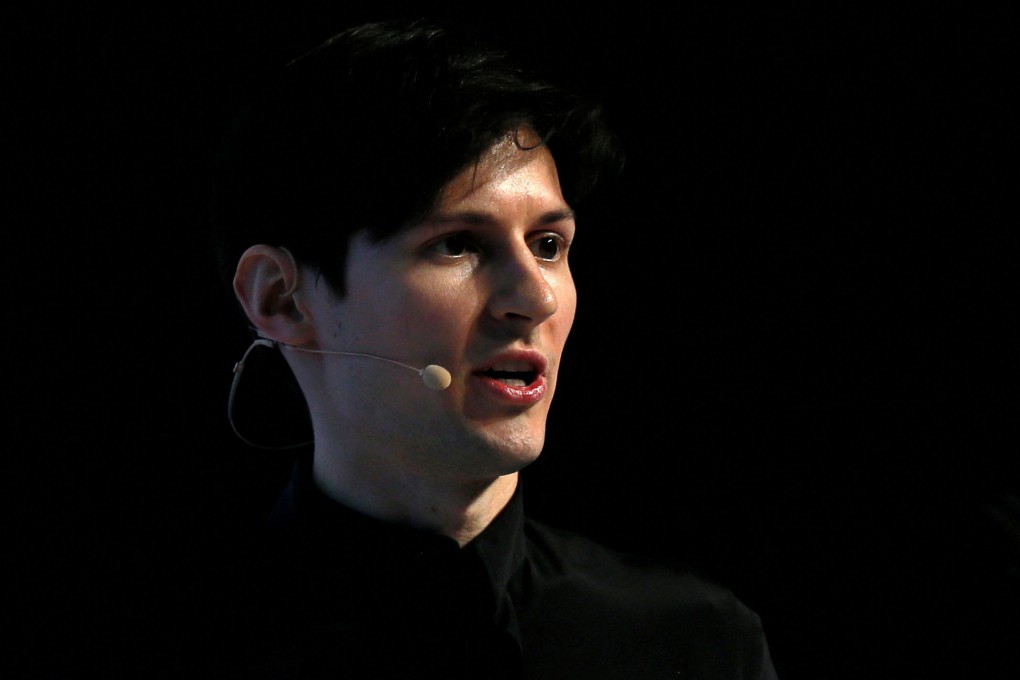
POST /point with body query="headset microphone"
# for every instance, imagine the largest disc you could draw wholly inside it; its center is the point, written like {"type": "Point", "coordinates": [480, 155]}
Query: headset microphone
{"type": "Point", "coordinates": [434, 376]}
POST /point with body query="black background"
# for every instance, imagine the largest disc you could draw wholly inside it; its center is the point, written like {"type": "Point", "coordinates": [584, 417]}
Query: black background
{"type": "Point", "coordinates": [792, 363]}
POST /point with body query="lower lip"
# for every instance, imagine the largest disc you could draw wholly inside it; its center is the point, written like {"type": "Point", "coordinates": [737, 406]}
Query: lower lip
{"type": "Point", "coordinates": [527, 395]}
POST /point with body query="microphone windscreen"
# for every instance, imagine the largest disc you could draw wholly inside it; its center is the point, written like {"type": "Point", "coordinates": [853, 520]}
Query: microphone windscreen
{"type": "Point", "coordinates": [436, 377]}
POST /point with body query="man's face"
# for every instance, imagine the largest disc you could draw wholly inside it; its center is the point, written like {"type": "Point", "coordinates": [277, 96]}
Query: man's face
{"type": "Point", "coordinates": [482, 288]}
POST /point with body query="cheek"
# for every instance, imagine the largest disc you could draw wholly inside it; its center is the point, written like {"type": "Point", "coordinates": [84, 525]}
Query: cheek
{"type": "Point", "coordinates": [390, 319]}
{"type": "Point", "coordinates": [566, 307]}
{"type": "Point", "coordinates": [441, 308]}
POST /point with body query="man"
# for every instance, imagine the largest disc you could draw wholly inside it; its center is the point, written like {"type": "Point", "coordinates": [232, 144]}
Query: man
{"type": "Point", "coordinates": [396, 210]}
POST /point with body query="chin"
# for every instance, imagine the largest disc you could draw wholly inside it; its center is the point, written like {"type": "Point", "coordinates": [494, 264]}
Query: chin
{"type": "Point", "coordinates": [499, 449]}
{"type": "Point", "coordinates": [494, 448]}
{"type": "Point", "coordinates": [514, 452]}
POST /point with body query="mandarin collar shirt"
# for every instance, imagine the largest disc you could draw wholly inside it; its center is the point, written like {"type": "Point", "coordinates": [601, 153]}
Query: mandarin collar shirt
{"type": "Point", "coordinates": [333, 593]}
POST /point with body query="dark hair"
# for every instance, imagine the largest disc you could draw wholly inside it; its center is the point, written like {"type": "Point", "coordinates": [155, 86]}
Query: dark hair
{"type": "Point", "coordinates": [363, 132]}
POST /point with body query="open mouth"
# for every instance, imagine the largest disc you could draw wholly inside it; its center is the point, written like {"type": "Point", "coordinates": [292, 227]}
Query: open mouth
{"type": "Point", "coordinates": [517, 372]}
{"type": "Point", "coordinates": [512, 378]}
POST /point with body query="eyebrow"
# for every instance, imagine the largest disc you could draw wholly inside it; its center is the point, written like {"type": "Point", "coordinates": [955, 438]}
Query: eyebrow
{"type": "Point", "coordinates": [476, 217]}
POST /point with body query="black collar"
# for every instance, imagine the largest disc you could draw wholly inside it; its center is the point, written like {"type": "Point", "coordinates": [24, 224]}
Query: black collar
{"type": "Point", "coordinates": [336, 532]}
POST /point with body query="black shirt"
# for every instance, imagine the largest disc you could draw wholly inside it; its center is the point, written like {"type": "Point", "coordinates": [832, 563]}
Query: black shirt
{"type": "Point", "coordinates": [332, 593]}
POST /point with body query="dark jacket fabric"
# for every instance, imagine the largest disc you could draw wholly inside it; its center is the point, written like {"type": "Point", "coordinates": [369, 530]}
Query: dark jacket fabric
{"type": "Point", "coordinates": [326, 592]}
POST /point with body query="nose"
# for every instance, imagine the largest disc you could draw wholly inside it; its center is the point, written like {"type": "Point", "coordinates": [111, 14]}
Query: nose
{"type": "Point", "coordinates": [522, 293]}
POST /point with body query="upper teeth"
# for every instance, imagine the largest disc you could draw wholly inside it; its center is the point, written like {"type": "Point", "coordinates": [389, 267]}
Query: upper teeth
{"type": "Point", "coordinates": [512, 366]}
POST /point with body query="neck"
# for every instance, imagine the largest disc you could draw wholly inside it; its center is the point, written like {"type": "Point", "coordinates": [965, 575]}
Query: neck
{"type": "Point", "coordinates": [460, 508]}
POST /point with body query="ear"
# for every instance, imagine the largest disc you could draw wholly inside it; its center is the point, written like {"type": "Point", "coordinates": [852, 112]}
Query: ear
{"type": "Point", "coordinates": [267, 284]}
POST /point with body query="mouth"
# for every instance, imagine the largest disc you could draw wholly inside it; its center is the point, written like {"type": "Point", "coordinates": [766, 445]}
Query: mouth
{"type": "Point", "coordinates": [515, 371]}
{"type": "Point", "coordinates": [519, 375]}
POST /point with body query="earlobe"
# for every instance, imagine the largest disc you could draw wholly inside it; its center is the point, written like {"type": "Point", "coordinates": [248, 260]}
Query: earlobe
{"type": "Point", "coordinates": [267, 283]}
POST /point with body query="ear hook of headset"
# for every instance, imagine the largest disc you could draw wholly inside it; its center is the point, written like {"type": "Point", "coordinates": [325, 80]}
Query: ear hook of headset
{"type": "Point", "coordinates": [238, 369]}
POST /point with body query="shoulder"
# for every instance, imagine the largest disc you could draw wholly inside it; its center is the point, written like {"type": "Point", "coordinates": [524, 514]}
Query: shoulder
{"type": "Point", "coordinates": [237, 616]}
{"type": "Point", "coordinates": [557, 554]}
{"type": "Point", "coordinates": [668, 610]}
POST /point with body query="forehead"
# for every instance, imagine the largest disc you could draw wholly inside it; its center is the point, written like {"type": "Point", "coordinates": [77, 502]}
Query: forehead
{"type": "Point", "coordinates": [519, 165]}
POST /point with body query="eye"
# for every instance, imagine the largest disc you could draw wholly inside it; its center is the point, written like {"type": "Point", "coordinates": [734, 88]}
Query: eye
{"type": "Point", "coordinates": [454, 245]}
{"type": "Point", "coordinates": [549, 247]}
